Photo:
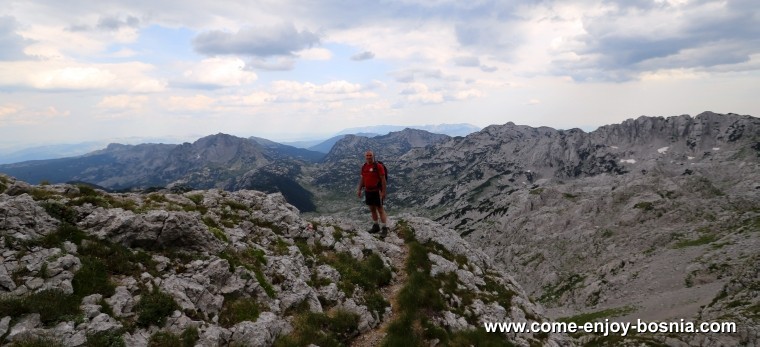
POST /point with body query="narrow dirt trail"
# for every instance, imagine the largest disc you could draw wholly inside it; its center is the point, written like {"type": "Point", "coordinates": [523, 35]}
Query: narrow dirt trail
{"type": "Point", "coordinates": [390, 293]}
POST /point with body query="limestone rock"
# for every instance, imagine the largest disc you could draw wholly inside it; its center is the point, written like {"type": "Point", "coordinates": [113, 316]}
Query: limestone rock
{"type": "Point", "coordinates": [22, 218]}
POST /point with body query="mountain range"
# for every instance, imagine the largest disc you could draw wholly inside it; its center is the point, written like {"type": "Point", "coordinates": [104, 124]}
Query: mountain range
{"type": "Point", "coordinates": [654, 218]}
{"type": "Point", "coordinates": [56, 151]}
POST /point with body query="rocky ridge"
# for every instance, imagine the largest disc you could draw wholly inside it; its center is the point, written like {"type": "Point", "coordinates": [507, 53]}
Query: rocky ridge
{"type": "Point", "coordinates": [84, 267]}
{"type": "Point", "coordinates": [654, 218]}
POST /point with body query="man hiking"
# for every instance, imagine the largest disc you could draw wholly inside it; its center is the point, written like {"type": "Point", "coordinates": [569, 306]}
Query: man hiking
{"type": "Point", "coordinates": [374, 184]}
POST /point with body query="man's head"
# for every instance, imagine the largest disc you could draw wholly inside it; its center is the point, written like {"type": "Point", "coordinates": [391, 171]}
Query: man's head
{"type": "Point", "coordinates": [369, 157]}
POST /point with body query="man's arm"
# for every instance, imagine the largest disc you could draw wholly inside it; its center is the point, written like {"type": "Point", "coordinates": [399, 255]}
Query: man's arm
{"type": "Point", "coordinates": [359, 188]}
{"type": "Point", "coordinates": [384, 187]}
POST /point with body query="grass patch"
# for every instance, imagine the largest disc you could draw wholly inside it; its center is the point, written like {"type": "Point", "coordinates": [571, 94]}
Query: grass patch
{"type": "Point", "coordinates": [238, 309]}
{"type": "Point", "coordinates": [252, 260]}
{"type": "Point", "coordinates": [219, 234]}
{"type": "Point", "coordinates": [118, 259]}
{"type": "Point", "coordinates": [53, 306]}
{"type": "Point", "coordinates": [369, 273]}
{"type": "Point", "coordinates": [60, 211]}
{"type": "Point", "coordinates": [606, 233]}
{"type": "Point", "coordinates": [498, 293]}
{"type": "Point", "coordinates": [537, 191]}
{"type": "Point", "coordinates": [644, 205]}
{"type": "Point", "coordinates": [154, 307]}
{"type": "Point", "coordinates": [92, 278]}
{"type": "Point", "coordinates": [569, 196]}
{"type": "Point", "coordinates": [553, 292]}
{"type": "Point", "coordinates": [702, 240]}
{"type": "Point", "coordinates": [105, 339]}
{"type": "Point", "coordinates": [156, 197]}
{"type": "Point", "coordinates": [196, 198]}
{"type": "Point", "coordinates": [234, 205]}
{"type": "Point", "coordinates": [421, 297]}
{"type": "Point", "coordinates": [94, 200]}
{"type": "Point", "coordinates": [268, 224]}
{"type": "Point", "coordinates": [594, 316]}
{"type": "Point", "coordinates": [36, 341]}
{"type": "Point", "coordinates": [333, 329]}
{"type": "Point", "coordinates": [188, 338]}
{"type": "Point", "coordinates": [65, 232]}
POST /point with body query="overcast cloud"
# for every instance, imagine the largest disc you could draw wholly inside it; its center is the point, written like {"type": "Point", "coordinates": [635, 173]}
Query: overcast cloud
{"type": "Point", "coordinates": [80, 70]}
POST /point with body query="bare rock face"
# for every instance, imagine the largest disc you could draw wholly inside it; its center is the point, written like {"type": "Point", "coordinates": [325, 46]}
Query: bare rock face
{"type": "Point", "coordinates": [156, 229]}
{"type": "Point", "coordinates": [22, 218]}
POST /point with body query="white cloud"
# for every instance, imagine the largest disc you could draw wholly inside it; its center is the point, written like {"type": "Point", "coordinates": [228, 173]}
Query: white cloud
{"type": "Point", "coordinates": [123, 101]}
{"type": "Point", "coordinates": [419, 92]}
{"type": "Point", "coordinates": [15, 114]}
{"type": "Point", "coordinates": [194, 103]}
{"type": "Point", "coordinates": [332, 91]}
{"type": "Point", "coordinates": [221, 72]}
{"type": "Point", "coordinates": [316, 53]}
{"type": "Point", "coordinates": [62, 75]}
{"type": "Point", "coordinates": [8, 110]}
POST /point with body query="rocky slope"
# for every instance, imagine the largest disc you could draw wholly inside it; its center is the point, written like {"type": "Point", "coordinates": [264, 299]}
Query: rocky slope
{"type": "Point", "coordinates": [655, 218]}
{"type": "Point", "coordinates": [84, 267]}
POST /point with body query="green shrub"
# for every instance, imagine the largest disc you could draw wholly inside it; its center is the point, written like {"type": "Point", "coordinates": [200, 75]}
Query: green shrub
{"type": "Point", "coordinates": [596, 315]}
{"type": "Point", "coordinates": [92, 278]}
{"type": "Point", "coordinates": [644, 205]}
{"type": "Point", "coordinates": [503, 295]}
{"type": "Point", "coordinates": [569, 196]}
{"type": "Point", "coordinates": [702, 240]}
{"type": "Point", "coordinates": [95, 200]}
{"type": "Point", "coordinates": [85, 190]}
{"type": "Point", "coordinates": [335, 329]}
{"type": "Point", "coordinates": [39, 194]}
{"type": "Point", "coordinates": [60, 211]}
{"type": "Point", "coordinates": [238, 309]}
{"type": "Point", "coordinates": [369, 273]}
{"type": "Point", "coordinates": [154, 307]}
{"type": "Point", "coordinates": [554, 292]}
{"type": "Point", "coordinates": [234, 205]}
{"type": "Point", "coordinates": [189, 337]}
{"type": "Point", "coordinates": [36, 341]}
{"type": "Point", "coordinates": [65, 232]}
{"type": "Point", "coordinates": [105, 339]}
{"type": "Point", "coordinates": [219, 234]}
{"type": "Point", "coordinates": [164, 339]}
{"type": "Point", "coordinates": [196, 198]}
{"type": "Point", "coordinates": [53, 305]}
{"type": "Point", "coordinates": [155, 197]}
{"type": "Point", "coordinates": [402, 332]}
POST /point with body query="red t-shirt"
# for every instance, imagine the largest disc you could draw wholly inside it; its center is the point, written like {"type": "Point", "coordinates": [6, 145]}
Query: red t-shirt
{"type": "Point", "coordinates": [371, 178]}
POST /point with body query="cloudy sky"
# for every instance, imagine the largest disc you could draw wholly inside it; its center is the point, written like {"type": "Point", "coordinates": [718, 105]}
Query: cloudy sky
{"type": "Point", "coordinates": [76, 70]}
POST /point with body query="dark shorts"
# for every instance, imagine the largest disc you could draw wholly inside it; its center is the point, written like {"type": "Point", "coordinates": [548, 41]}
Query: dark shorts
{"type": "Point", "coordinates": [373, 198]}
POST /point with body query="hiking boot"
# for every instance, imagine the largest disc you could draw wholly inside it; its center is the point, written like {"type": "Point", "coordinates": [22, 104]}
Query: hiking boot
{"type": "Point", "coordinates": [375, 229]}
{"type": "Point", "coordinates": [384, 232]}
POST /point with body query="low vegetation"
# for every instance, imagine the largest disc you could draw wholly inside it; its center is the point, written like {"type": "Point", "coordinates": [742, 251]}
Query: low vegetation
{"type": "Point", "coordinates": [153, 308]}
{"type": "Point", "coordinates": [597, 315]}
{"type": "Point", "coordinates": [420, 299]}
{"type": "Point", "coordinates": [335, 328]}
